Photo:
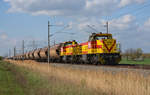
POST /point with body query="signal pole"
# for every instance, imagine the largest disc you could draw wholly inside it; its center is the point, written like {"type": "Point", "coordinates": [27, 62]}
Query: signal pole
{"type": "Point", "coordinates": [14, 51]}
{"type": "Point", "coordinates": [48, 42]}
{"type": "Point", "coordinates": [9, 53]}
{"type": "Point", "coordinates": [23, 49]}
{"type": "Point", "coordinates": [33, 45]}
{"type": "Point", "coordinates": [54, 42]}
{"type": "Point", "coordinates": [107, 26]}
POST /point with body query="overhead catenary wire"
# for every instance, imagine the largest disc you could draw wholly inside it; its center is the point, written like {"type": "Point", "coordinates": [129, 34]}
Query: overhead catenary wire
{"type": "Point", "coordinates": [60, 30]}
{"type": "Point", "coordinates": [92, 28]}
{"type": "Point", "coordinates": [132, 11]}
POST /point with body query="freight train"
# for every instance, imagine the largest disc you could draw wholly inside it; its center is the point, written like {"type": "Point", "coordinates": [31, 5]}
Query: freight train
{"type": "Point", "coordinates": [101, 48]}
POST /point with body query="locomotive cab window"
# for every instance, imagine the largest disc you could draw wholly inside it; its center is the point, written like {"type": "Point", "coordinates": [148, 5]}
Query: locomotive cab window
{"type": "Point", "coordinates": [103, 37]}
{"type": "Point", "coordinates": [99, 38]}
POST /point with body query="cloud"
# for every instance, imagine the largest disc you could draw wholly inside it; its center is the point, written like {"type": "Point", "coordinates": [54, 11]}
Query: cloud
{"type": "Point", "coordinates": [100, 7]}
{"type": "Point", "coordinates": [68, 8]}
{"type": "Point", "coordinates": [124, 3]}
{"type": "Point", "coordinates": [5, 40]}
{"type": "Point", "coordinates": [47, 7]}
{"type": "Point", "coordinates": [147, 25]}
{"type": "Point", "coordinates": [123, 23]}
{"type": "Point", "coordinates": [6, 43]}
{"type": "Point", "coordinates": [70, 25]}
{"type": "Point", "coordinates": [3, 36]}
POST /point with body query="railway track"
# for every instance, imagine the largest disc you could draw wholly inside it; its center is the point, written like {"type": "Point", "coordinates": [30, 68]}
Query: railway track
{"type": "Point", "coordinates": [129, 66]}
{"type": "Point", "coordinates": [141, 69]}
{"type": "Point", "coordinates": [136, 68]}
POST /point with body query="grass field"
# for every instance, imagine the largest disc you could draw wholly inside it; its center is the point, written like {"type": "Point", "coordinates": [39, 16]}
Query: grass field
{"type": "Point", "coordinates": [89, 82]}
{"type": "Point", "coordinates": [146, 61]}
{"type": "Point", "coordinates": [8, 82]}
{"type": "Point", "coordinates": [16, 80]}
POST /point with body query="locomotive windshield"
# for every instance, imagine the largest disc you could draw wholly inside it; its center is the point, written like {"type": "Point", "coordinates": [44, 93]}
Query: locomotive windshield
{"type": "Point", "coordinates": [99, 38]}
{"type": "Point", "coordinates": [68, 44]}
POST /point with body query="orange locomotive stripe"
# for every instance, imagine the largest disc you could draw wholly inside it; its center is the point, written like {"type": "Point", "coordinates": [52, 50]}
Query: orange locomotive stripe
{"type": "Point", "coordinates": [93, 42]}
{"type": "Point", "coordinates": [86, 43]}
{"type": "Point", "coordinates": [95, 46]}
{"type": "Point", "coordinates": [98, 46]}
{"type": "Point", "coordinates": [69, 53]}
{"type": "Point", "coordinates": [84, 52]}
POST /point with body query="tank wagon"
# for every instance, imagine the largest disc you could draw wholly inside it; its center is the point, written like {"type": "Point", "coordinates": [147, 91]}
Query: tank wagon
{"type": "Point", "coordinates": [101, 48]}
{"type": "Point", "coordinates": [36, 54]}
{"type": "Point", "coordinates": [43, 54]}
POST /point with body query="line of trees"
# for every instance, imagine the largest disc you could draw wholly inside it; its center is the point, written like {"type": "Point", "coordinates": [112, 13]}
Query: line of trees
{"type": "Point", "coordinates": [134, 54]}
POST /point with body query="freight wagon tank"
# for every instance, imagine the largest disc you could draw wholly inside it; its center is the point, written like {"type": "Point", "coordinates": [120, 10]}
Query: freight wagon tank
{"type": "Point", "coordinates": [21, 57]}
{"type": "Point", "coordinates": [31, 55]}
{"type": "Point", "coordinates": [27, 56]}
{"type": "Point", "coordinates": [55, 53]}
{"type": "Point", "coordinates": [43, 53]}
{"type": "Point", "coordinates": [37, 54]}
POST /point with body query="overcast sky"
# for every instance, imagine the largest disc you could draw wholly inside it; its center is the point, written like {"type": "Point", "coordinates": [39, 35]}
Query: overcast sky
{"type": "Point", "coordinates": [129, 21]}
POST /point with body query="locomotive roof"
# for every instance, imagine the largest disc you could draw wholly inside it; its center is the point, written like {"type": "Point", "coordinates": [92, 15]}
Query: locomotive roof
{"type": "Point", "coordinates": [102, 34]}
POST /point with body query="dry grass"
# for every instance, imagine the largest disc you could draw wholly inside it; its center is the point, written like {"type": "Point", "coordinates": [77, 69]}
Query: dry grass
{"type": "Point", "coordinates": [122, 83]}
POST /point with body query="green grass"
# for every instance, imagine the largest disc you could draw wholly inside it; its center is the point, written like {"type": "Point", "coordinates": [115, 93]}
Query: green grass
{"type": "Point", "coordinates": [8, 83]}
{"type": "Point", "coordinates": [16, 80]}
{"type": "Point", "coordinates": [146, 61]}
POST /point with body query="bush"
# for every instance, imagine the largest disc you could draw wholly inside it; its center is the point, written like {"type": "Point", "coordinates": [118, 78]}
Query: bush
{"type": "Point", "coordinates": [1, 57]}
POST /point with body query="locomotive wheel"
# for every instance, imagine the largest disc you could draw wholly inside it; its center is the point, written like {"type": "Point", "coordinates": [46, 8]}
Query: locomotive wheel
{"type": "Point", "coordinates": [64, 58]}
{"type": "Point", "coordinates": [94, 60]}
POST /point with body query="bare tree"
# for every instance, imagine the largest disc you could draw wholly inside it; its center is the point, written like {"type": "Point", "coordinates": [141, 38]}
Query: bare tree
{"type": "Point", "coordinates": [139, 52]}
{"type": "Point", "coordinates": [133, 53]}
{"type": "Point", "coordinates": [127, 54]}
